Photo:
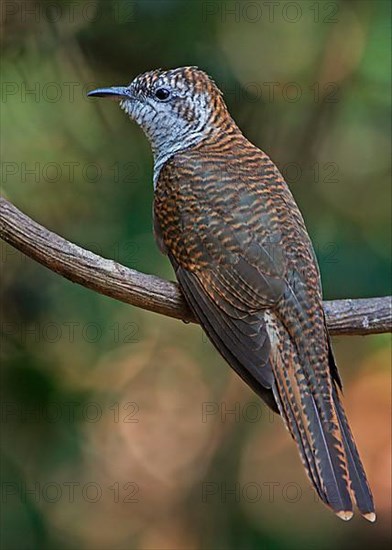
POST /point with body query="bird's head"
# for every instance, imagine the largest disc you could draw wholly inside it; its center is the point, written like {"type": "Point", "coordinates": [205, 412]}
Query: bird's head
{"type": "Point", "coordinates": [176, 108]}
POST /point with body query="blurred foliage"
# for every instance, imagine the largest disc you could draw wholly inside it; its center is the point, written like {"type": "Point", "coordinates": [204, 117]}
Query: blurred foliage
{"type": "Point", "coordinates": [123, 405]}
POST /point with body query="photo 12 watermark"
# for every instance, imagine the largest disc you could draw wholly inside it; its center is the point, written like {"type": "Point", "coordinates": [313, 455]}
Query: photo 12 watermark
{"type": "Point", "coordinates": [274, 91]}
{"type": "Point", "coordinates": [71, 171]}
{"type": "Point", "coordinates": [69, 412]}
{"type": "Point", "coordinates": [256, 491]}
{"type": "Point", "coordinates": [52, 332]}
{"type": "Point", "coordinates": [237, 412]}
{"type": "Point", "coordinates": [270, 11]}
{"type": "Point", "coordinates": [52, 492]}
{"type": "Point", "coordinates": [70, 12]}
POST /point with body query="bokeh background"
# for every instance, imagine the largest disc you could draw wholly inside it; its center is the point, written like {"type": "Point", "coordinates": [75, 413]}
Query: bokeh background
{"type": "Point", "coordinates": [123, 429]}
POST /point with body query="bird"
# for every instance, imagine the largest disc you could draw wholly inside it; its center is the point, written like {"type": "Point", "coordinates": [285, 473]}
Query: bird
{"type": "Point", "coordinates": [238, 244]}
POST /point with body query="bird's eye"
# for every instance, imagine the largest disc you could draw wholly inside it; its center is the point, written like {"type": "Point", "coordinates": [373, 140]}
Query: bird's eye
{"type": "Point", "coordinates": [162, 94]}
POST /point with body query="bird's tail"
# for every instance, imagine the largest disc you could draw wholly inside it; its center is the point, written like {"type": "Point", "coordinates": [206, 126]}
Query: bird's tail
{"type": "Point", "coordinates": [323, 436]}
{"type": "Point", "coordinates": [358, 481]}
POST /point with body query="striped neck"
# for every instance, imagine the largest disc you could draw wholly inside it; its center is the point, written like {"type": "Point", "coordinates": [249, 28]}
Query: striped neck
{"type": "Point", "coordinates": [212, 135]}
{"type": "Point", "coordinates": [170, 148]}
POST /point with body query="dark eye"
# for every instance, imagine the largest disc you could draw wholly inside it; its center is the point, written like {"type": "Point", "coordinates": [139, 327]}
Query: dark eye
{"type": "Point", "coordinates": [162, 94]}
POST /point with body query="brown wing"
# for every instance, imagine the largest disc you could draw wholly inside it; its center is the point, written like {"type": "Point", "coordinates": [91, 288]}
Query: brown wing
{"type": "Point", "coordinates": [230, 272]}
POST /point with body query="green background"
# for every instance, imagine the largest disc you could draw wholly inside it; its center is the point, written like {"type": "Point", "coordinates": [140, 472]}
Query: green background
{"type": "Point", "coordinates": [116, 429]}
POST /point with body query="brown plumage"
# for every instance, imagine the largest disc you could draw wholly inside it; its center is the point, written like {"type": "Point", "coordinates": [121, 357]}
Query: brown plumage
{"type": "Point", "coordinates": [245, 263]}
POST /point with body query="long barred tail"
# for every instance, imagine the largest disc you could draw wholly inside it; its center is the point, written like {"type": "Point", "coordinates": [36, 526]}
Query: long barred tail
{"type": "Point", "coordinates": [327, 447]}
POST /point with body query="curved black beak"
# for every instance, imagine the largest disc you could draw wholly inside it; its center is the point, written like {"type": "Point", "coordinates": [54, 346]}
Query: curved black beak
{"type": "Point", "coordinates": [115, 93]}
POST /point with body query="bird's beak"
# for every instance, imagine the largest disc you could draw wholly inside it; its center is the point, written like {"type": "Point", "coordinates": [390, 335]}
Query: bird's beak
{"type": "Point", "coordinates": [116, 93]}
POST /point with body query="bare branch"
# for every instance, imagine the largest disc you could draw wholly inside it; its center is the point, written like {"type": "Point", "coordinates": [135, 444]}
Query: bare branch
{"type": "Point", "coordinates": [364, 316]}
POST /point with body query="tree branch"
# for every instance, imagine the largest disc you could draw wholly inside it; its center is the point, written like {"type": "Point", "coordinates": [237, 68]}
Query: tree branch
{"type": "Point", "coordinates": [363, 316]}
